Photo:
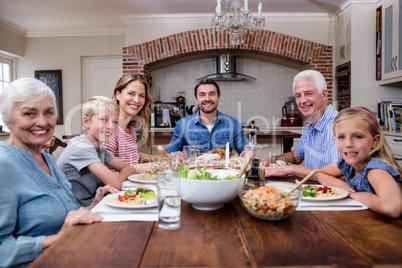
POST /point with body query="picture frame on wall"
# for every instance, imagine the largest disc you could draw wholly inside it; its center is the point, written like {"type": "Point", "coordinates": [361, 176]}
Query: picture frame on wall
{"type": "Point", "coordinates": [52, 78]}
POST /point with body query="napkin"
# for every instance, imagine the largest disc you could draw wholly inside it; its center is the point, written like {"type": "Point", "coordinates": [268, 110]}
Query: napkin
{"type": "Point", "coordinates": [334, 205]}
{"type": "Point", "coordinates": [110, 213]}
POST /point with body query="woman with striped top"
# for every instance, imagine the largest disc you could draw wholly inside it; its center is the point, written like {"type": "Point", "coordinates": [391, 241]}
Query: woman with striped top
{"type": "Point", "coordinates": [133, 96]}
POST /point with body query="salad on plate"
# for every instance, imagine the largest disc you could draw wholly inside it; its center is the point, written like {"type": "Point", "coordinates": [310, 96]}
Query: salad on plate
{"type": "Point", "coordinates": [138, 197]}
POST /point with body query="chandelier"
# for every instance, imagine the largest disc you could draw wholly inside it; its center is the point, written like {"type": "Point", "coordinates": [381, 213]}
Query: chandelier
{"type": "Point", "coordinates": [237, 20]}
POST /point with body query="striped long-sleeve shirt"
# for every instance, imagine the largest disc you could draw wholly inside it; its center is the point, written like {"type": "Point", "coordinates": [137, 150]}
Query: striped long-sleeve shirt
{"type": "Point", "coordinates": [124, 146]}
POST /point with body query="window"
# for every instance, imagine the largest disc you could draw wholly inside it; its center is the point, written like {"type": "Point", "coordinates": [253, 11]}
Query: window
{"type": "Point", "coordinates": [6, 74]}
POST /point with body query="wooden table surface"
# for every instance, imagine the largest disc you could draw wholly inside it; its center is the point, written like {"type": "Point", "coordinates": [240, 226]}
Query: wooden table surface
{"type": "Point", "coordinates": [229, 237]}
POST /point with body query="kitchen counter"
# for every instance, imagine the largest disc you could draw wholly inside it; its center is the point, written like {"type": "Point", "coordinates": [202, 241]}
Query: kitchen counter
{"type": "Point", "coordinates": [392, 133]}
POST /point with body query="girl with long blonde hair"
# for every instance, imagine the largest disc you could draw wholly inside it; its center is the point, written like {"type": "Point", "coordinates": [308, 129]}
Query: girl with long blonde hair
{"type": "Point", "coordinates": [368, 169]}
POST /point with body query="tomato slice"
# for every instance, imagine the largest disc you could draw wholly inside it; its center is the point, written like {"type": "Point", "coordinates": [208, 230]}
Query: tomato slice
{"type": "Point", "coordinates": [121, 198]}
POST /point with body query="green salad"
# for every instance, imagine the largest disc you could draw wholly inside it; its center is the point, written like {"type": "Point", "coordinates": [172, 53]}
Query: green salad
{"type": "Point", "coordinates": [199, 173]}
{"type": "Point", "coordinates": [141, 192]}
{"type": "Point", "coordinates": [309, 191]}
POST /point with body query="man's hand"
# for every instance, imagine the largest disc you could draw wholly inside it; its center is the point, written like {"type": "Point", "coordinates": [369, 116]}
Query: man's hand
{"type": "Point", "coordinates": [277, 171]}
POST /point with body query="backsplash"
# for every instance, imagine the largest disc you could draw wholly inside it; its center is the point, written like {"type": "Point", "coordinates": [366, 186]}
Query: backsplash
{"type": "Point", "coordinates": [259, 100]}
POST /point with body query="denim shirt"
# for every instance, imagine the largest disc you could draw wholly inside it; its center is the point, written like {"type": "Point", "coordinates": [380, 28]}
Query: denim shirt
{"type": "Point", "coordinates": [33, 204]}
{"type": "Point", "coordinates": [191, 128]}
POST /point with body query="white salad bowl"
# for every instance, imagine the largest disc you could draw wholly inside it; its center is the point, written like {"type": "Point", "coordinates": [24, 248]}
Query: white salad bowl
{"type": "Point", "coordinates": [211, 194]}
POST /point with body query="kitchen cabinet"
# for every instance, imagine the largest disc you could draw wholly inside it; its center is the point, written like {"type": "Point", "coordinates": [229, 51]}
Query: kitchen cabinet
{"type": "Point", "coordinates": [391, 41]}
{"type": "Point", "coordinates": [343, 77]}
{"type": "Point", "coordinates": [343, 41]}
{"type": "Point", "coordinates": [395, 142]}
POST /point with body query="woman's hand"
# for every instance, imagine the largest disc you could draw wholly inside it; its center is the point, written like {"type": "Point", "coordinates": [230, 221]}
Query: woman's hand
{"type": "Point", "coordinates": [144, 167]}
{"type": "Point", "coordinates": [80, 216]}
{"type": "Point", "coordinates": [100, 193]}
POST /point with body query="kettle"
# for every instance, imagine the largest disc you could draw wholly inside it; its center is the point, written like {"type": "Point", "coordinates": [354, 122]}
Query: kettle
{"type": "Point", "coordinates": [290, 115]}
{"type": "Point", "coordinates": [289, 108]}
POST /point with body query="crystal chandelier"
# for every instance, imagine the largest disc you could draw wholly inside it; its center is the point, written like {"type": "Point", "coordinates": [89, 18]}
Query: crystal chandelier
{"type": "Point", "coordinates": [237, 20]}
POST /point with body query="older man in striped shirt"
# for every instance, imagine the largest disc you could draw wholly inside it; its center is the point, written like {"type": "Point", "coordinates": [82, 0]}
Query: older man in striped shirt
{"type": "Point", "coordinates": [317, 145]}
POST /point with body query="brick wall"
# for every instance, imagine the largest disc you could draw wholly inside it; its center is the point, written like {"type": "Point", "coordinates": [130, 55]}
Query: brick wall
{"type": "Point", "coordinates": [315, 56]}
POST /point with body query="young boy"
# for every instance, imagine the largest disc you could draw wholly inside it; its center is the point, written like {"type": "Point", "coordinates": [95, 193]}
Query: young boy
{"type": "Point", "coordinates": [83, 160]}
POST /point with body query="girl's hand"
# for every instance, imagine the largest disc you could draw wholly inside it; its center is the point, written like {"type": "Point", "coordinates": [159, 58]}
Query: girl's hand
{"type": "Point", "coordinates": [348, 189]}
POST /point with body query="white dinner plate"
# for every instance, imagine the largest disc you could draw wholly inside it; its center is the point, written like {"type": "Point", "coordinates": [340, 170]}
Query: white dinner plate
{"type": "Point", "coordinates": [339, 196]}
{"type": "Point", "coordinates": [153, 203]}
{"type": "Point", "coordinates": [134, 178]}
{"type": "Point", "coordinates": [289, 186]}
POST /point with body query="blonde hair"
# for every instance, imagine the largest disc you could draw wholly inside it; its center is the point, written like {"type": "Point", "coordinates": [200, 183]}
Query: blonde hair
{"type": "Point", "coordinates": [143, 117]}
{"type": "Point", "coordinates": [382, 151]}
{"type": "Point", "coordinates": [94, 104]}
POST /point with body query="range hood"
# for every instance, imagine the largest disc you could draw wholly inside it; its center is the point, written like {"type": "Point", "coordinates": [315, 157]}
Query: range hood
{"type": "Point", "coordinates": [226, 70]}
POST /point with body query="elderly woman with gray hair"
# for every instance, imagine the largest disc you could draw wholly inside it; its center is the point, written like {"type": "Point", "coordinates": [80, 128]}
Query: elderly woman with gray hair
{"type": "Point", "coordinates": [36, 203]}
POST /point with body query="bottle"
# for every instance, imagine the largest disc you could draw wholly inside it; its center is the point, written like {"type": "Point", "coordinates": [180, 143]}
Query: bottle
{"type": "Point", "coordinates": [252, 136]}
{"type": "Point", "coordinates": [253, 175]}
{"type": "Point", "coordinates": [152, 115]}
{"type": "Point", "coordinates": [158, 115]}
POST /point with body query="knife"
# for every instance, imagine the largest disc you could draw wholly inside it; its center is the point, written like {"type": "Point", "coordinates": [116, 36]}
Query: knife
{"type": "Point", "coordinates": [227, 154]}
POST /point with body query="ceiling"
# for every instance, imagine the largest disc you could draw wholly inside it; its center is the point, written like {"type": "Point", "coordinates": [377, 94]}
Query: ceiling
{"type": "Point", "coordinates": [47, 15]}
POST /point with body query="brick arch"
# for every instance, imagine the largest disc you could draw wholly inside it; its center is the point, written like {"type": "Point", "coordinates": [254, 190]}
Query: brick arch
{"type": "Point", "coordinates": [138, 58]}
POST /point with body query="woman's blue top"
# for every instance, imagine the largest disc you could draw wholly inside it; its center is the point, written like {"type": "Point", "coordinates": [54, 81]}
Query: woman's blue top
{"type": "Point", "coordinates": [33, 204]}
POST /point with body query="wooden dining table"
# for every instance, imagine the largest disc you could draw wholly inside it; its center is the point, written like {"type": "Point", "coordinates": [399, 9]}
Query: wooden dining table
{"type": "Point", "coordinates": [230, 237]}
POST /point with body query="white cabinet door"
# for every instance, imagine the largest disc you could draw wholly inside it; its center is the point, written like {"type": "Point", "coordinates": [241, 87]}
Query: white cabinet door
{"type": "Point", "coordinates": [392, 43]}
{"type": "Point", "coordinates": [343, 38]}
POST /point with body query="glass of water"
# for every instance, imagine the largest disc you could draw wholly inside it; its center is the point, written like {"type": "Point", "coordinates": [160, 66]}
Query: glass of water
{"type": "Point", "coordinates": [169, 200]}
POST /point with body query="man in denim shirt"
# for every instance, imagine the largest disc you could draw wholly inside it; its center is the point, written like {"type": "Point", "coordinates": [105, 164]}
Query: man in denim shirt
{"type": "Point", "coordinates": [317, 146]}
{"type": "Point", "coordinates": [208, 127]}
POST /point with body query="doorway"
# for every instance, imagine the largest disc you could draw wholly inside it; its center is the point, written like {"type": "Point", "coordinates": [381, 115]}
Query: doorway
{"type": "Point", "coordinates": [100, 75]}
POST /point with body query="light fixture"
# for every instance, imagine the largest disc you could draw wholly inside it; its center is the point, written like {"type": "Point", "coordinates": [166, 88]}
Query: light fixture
{"type": "Point", "coordinates": [237, 20]}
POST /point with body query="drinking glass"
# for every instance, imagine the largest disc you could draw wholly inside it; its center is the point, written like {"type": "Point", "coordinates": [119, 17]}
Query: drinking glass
{"type": "Point", "coordinates": [169, 200]}
{"type": "Point", "coordinates": [195, 144]}
{"type": "Point", "coordinates": [186, 155]}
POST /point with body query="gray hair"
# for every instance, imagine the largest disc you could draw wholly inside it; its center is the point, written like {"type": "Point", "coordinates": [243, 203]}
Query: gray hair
{"type": "Point", "coordinates": [21, 90]}
{"type": "Point", "coordinates": [315, 76]}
